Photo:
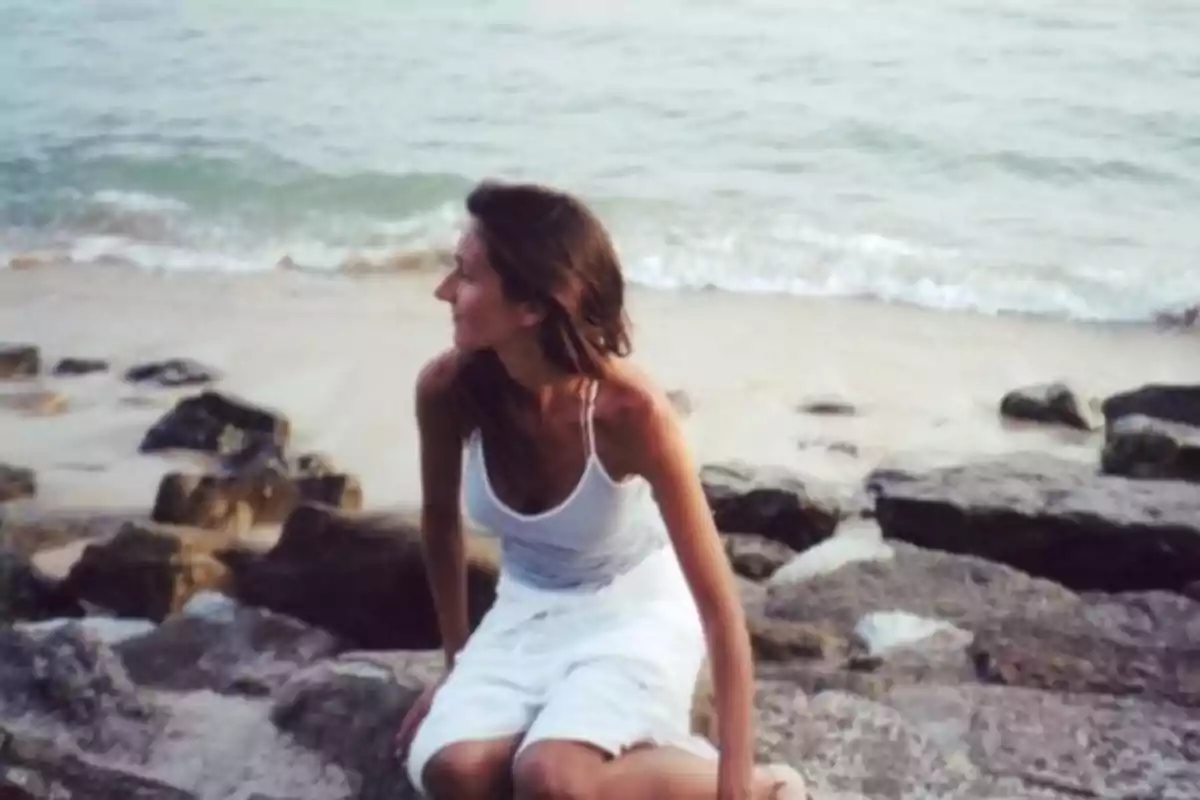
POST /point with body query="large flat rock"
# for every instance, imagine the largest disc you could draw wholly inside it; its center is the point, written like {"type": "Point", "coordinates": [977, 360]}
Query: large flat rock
{"type": "Point", "coordinates": [1053, 519]}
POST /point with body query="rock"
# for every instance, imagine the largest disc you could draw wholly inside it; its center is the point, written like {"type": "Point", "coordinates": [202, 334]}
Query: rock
{"type": "Point", "coordinates": [312, 465]}
{"type": "Point", "coordinates": [987, 622]}
{"type": "Point", "coordinates": [872, 604]}
{"type": "Point", "coordinates": [770, 502]}
{"type": "Point", "coordinates": [350, 714]}
{"type": "Point", "coordinates": [79, 366]}
{"type": "Point", "coordinates": [148, 572]}
{"type": "Point", "coordinates": [25, 595]}
{"type": "Point", "coordinates": [371, 573]}
{"type": "Point", "coordinates": [34, 259]}
{"type": "Point", "coordinates": [773, 639]}
{"type": "Point", "coordinates": [1053, 519]}
{"type": "Point", "coordinates": [28, 535]}
{"type": "Point", "coordinates": [1142, 644]}
{"type": "Point", "coordinates": [962, 590]}
{"type": "Point", "coordinates": [1187, 318]}
{"type": "Point", "coordinates": [251, 652]}
{"type": "Point", "coordinates": [38, 768]}
{"type": "Point", "coordinates": [35, 403]}
{"type": "Point", "coordinates": [681, 401]}
{"type": "Point", "coordinates": [1039, 744]}
{"type": "Point", "coordinates": [217, 423]}
{"type": "Point", "coordinates": [236, 503]}
{"type": "Point", "coordinates": [828, 406]}
{"type": "Point", "coordinates": [70, 679]}
{"type": "Point", "coordinates": [19, 361]}
{"type": "Point", "coordinates": [1138, 446]}
{"type": "Point", "coordinates": [1054, 403]}
{"type": "Point", "coordinates": [172, 372]}
{"type": "Point", "coordinates": [16, 482]}
{"type": "Point", "coordinates": [1173, 403]}
{"type": "Point", "coordinates": [985, 743]}
{"type": "Point", "coordinates": [755, 557]}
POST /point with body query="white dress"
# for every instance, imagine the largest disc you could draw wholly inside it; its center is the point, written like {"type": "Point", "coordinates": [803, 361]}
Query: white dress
{"type": "Point", "coordinates": [594, 635]}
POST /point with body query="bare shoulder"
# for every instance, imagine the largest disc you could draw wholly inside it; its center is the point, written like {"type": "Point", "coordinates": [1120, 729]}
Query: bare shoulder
{"type": "Point", "coordinates": [436, 387]}
{"type": "Point", "coordinates": [634, 409]}
{"type": "Point", "coordinates": [438, 377]}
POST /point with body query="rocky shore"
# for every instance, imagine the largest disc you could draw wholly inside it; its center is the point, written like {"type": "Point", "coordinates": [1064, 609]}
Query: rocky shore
{"type": "Point", "coordinates": [1007, 627]}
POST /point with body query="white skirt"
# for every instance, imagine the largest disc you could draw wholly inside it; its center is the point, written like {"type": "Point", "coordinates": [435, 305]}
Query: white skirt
{"type": "Point", "coordinates": [613, 667]}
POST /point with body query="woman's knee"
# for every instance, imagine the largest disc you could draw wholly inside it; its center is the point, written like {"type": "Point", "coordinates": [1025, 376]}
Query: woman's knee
{"type": "Point", "coordinates": [468, 770]}
{"type": "Point", "coordinates": [550, 771]}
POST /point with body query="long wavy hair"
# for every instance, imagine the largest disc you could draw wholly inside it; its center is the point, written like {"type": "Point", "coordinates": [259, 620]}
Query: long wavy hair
{"type": "Point", "coordinates": [551, 251]}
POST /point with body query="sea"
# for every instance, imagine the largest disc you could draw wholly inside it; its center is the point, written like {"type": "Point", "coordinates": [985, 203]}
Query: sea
{"type": "Point", "coordinates": [1000, 156]}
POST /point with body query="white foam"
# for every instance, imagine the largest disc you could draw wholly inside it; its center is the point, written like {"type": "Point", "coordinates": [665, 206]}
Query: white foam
{"type": "Point", "coordinates": [858, 543]}
{"type": "Point", "coordinates": [110, 630]}
{"type": "Point", "coordinates": [882, 631]}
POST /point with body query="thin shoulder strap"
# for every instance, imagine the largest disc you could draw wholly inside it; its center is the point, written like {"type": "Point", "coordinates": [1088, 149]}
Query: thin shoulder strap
{"type": "Point", "coordinates": [589, 410]}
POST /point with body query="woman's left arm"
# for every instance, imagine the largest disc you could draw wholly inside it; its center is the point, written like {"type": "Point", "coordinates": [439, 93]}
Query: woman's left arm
{"type": "Point", "coordinates": [668, 466]}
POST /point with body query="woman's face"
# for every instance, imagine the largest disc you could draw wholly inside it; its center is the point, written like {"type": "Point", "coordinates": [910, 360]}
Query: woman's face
{"type": "Point", "coordinates": [483, 316]}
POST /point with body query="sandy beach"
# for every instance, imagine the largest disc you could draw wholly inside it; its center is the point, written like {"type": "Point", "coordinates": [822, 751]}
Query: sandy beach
{"type": "Point", "coordinates": [339, 354]}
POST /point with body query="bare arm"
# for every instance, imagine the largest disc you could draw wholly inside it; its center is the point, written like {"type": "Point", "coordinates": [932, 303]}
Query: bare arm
{"type": "Point", "coordinates": [667, 464]}
{"type": "Point", "coordinates": [441, 516]}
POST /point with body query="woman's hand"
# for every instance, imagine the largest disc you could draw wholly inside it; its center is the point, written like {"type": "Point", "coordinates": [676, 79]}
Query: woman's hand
{"type": "Point", "coordinates": [413, 719]}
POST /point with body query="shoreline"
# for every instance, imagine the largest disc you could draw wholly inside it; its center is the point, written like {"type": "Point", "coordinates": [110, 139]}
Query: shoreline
{"type": "Point", "coordinates": [338, 355]}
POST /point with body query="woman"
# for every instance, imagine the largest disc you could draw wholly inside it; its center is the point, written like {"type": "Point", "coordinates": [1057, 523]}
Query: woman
{"type": "Point", "coordinates": [578, 681]}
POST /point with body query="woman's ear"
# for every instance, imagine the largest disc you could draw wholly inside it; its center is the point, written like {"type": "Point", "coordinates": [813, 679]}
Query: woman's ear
{"type": "Point", "coordinates": [531, 314]}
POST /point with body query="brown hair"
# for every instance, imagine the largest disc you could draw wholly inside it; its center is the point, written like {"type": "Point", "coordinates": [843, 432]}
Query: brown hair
{"type": "Point", "coordinates": [550, 250]}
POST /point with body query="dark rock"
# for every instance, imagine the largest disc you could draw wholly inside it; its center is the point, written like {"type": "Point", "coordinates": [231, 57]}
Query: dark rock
{"type": "Point", "coordinates": [19, 361]}
{"type": "Point", "coordinates": [1144, 447]}
{"type": "Point", "coordinates": [828, 406]}
{"type": "Point", "coordinates": [147, 572]}
{"type": "Point", "coordinates": [25, 595]}
{"type": "Point", "coordinates": [1173, 403]}
{"type": "Point", "coordinates": [251, 652]}
{"type": "Point", "coordinates": [79, 366]}
{"type": "Point", "coordinates": [1053, 519]}
{"type": "Point", "coordinates": [1054, 403]}
{"type": "Point", "coordinates": [1187, 318]}
{"type": "Point", "coordinates": [350, 716]}
{"type": "Point", "coordinates": [172, 372]}
{"type": "Point", "coordinates": [370, 572]}
{"type": "Point", "coordinates": [681, 401]}
{"type": "Point", "coordinates": [235, 503]}
{"type": "Point", "coordinates": [753, 556]}
{"type": "Point", "coordinates": [220, 424]}
{"type": "Point", "coordinates": [16, 482]}
{"type": "Point", "coordinates": [312, 465]}
{"type": "Point", "coordinates": [768, 501]}
{"type": "Point", "coordinates": [76, 681]}
{"type": "Point", "coordinates": [773, 639]}
{"type": "Point", "coordinates": [37, 768]}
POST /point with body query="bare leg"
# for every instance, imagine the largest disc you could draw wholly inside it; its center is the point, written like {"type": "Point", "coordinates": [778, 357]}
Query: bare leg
{"type": "Point", "coordinates": [654, 772]}
{"type": "Point", "coordinates": [475, 770]}
{"type": "Point", "coordinates": [554, 769]}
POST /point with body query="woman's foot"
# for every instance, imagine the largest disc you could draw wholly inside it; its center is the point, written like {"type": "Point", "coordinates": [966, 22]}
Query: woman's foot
{"type": "Point", "coordinates": [783, 782]}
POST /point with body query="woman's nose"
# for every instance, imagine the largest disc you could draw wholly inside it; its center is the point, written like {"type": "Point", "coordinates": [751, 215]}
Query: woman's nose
{"type": "Point", "coordinates": [444, 290]}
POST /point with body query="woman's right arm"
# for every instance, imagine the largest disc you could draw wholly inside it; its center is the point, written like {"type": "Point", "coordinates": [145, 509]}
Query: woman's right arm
{"type": "Point", "coordinates": [440, 428]}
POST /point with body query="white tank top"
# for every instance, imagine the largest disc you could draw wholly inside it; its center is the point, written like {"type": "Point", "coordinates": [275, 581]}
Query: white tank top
{"type": "Point", "coordinates": [601, 530]}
